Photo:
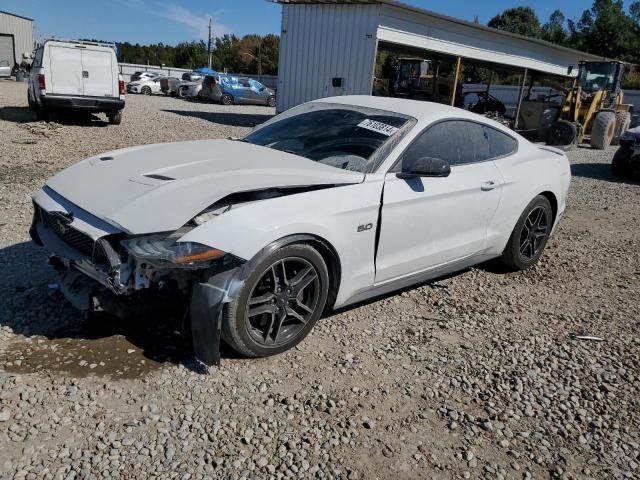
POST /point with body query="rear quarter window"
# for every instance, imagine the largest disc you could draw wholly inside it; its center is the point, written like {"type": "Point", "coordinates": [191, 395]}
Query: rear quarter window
{"type": "Point", "coordinates": [500, 144]}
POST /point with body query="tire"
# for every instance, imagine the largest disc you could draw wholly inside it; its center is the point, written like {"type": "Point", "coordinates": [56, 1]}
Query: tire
{"type": "Point", "coordinates": [621, 163]}
{"type": "Point", "coordinates": [271, 102]}
{"type": "Point", "coordinates": [115, 118]}
{"type": "Point", "coordinates": [146, 90]}
{"type": "Point", "coordinates": [226, 99]}
{"type": "Point", "coordinates": [181, 92]}
{"type": "Point", "coordinates": [517, 255]}
{"type": "Point", "coordinates": [562, 134]}
{"type": "Point", "coordinates": [623, 122]}
{"type": "Point", "coordinates": [258, 335]}
{"type": "Point", "coordinates": [603, 130]}
{"type": "Point", "coordinates": [42, 114]}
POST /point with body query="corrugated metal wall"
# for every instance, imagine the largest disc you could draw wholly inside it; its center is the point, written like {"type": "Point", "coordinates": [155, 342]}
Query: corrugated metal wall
{"type": "Point", "coordinates": [321, 42]}
{"type": "Point", "coordinates": [22, 31]}
{"type": "Point", "coordinates": [398, 25]}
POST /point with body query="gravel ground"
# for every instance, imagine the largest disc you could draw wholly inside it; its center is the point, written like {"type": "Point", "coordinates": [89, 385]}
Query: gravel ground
{"type": "Point", "coordinates": [473, 376]}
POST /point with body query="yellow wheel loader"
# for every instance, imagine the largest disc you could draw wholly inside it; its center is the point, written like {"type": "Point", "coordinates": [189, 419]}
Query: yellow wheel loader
{"type": "Point", "coordinates": [593, 107]}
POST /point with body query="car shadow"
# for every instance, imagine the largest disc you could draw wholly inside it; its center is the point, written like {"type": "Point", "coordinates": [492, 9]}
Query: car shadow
{"type": "Point", "coordinates": [71, 118]}
{"type": "Point", "coordinates": [34, 307]}
{"type": "Point", "coordinates": [230, 119]}
{"type": "Point", "coordinates": [600, 171]}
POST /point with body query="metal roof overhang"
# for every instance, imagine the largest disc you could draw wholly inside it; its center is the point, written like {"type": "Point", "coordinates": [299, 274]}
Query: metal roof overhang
{"type": "Point", "coordinates": [408, 25]}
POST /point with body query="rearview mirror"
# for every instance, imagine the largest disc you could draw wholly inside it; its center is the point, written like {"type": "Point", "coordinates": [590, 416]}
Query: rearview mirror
{"type": "Point", "coordinates": [424, 167]}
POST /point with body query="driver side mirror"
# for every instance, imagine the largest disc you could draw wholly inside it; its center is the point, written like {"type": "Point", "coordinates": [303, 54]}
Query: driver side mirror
{"type": "Point", "coordinates": [424, 167]}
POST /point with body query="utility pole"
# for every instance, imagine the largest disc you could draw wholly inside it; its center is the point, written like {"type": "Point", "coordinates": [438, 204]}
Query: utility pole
{"type": "Point", "coordinates": [209, 44]}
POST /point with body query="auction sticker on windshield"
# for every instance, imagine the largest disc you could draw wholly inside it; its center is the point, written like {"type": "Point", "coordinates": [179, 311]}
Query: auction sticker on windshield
{"type": "Point", "coordinates": [379, 127]}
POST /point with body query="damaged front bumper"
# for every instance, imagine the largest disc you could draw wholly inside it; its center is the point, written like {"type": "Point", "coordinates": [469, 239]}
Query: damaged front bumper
{"type": "Point", "coordinates": [97, 276]}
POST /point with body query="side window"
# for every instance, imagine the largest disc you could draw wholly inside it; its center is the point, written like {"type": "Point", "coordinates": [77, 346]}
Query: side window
{"type": "Point", "coordinates": [37, 61]}
{"type": "Point", "coordinates": [244, 82]}
{"type": "Point", "coordinates": [456, 141]}
{"type": "Point", "coordinates": [500, 144]}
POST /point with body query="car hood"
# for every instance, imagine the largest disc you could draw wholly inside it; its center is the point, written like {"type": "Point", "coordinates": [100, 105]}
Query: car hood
{"type": "Point", "coordinates": [159, 188]}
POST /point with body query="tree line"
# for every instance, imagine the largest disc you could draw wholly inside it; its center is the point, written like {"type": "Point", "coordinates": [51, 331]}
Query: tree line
{"type": "Point", "coordinates": [606, 29]}
{"type": "Point", "coordinates": [250, 54]}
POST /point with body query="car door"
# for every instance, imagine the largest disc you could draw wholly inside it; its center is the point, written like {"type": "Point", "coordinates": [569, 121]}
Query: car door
{"type": "Point", "coordinates": [97, 73]}
{"type": "Point", "coordinates": [244, 93]}
{"type": "Point", "coordinates": [427, 222]}
{"type": "Point", "coordinates": [65, 75]}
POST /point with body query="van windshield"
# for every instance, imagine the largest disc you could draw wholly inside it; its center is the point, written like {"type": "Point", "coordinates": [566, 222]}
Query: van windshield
{"type": "Point", "coordinates": [342, 136]}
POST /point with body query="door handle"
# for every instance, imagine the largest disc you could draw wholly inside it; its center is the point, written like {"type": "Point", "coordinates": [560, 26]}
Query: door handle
{"type": "Point", "coordinates": [490, 185]}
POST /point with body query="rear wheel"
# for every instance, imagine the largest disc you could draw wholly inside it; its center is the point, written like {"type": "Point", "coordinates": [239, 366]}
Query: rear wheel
{"type": "Point", "coordinates": [115, 118]}
{"type": "Point", "coordinates": [226, 99]}
{"type": "Point", "coordinates": [42, 114]}
{"type": "Point", "coordinates": [623, 122]}
{"type": "Point", "coordinates": [562, 134]}
{"type": "Point", "coordinates": [603, 130]}
{"type": "Point", "coordinates": [530, 235]}
{"type": "Point", "coordinates": [279, 303]}
{"type": "Point", "coordinates": [621, 164]}
{"type": "Point", "coordinates": [146, 90]}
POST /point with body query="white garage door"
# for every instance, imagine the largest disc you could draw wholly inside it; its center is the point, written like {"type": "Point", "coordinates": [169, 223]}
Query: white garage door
{"type": "Point", "coordinates": [6, 49]}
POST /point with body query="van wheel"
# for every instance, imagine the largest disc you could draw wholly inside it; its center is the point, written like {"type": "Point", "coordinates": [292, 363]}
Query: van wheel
{"type": "Point", "coordinates": [42, 114]}
{"type": "Point", "coordinates": [115, 118]}
{"type": "Point", "coordinates": [226, 99]}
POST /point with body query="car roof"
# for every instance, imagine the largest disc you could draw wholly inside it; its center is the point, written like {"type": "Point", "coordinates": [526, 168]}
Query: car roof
{"type": "Point", "coordinates": [418, 109]}
{"type": "Point", "coordinates": [413, 108]}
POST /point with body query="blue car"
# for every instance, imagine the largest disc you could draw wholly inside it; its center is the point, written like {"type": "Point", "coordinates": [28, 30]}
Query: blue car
{"type": "Point", "coordinates": [228, 90]}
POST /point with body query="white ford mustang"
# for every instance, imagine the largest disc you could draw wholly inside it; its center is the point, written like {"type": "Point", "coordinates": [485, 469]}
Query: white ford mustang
{"type": "Point", "coordinates": [328, 204]}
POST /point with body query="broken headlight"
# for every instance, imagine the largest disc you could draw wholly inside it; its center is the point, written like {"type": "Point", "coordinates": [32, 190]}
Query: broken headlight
{"type": "Point", "coordinates": [162, 251]}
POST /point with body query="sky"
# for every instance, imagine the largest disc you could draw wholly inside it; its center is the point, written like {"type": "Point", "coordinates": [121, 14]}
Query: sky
{"type": "Point", "coordinates": [172, 21]}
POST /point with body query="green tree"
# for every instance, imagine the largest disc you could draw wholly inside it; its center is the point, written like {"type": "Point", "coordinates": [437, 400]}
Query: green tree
{"type": "Point", "coordinates": [553, 31]}
{"type": "Point", "coordinates": [606, 30]}
{"type": "Point", "coordinates": [521, 20]}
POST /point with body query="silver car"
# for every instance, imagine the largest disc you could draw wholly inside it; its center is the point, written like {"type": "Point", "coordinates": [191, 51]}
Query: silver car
{"type": "Point", "coordinates": [5, 68]}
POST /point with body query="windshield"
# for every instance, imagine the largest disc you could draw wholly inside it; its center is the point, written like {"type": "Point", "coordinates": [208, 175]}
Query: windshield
{"type": "Point", "coordinates": [342, 136]}
{"type": "Point", "coordinates": [597, 76]}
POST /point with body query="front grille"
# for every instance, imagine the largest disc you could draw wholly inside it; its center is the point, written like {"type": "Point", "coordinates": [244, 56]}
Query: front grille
{"type": "Point", "coordinates": [84, 244]}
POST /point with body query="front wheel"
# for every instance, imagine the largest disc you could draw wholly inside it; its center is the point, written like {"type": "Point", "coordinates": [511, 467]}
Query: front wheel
{"type": "Point", "coordinates": [146, 90]}
{"type": "Point", "coordinates": [271, 102]}
{"type": "Point", "coordinates": [621, 164]}
{"type": "Point", "coordinates": [530, 235]}
{"type": "Point", "coordinates": [279, 303]}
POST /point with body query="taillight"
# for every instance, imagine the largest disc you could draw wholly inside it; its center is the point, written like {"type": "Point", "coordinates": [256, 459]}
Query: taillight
{"type": "Point", "coordinates": [121, 85]}
{"type": "Point", "coordinates": [41, 85]}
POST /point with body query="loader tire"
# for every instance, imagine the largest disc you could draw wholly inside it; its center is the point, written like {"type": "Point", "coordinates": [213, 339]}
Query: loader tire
{"type": "Point", "coordinates": [623, 122]}
{"type": "Point", "coordinates": [603, 130]}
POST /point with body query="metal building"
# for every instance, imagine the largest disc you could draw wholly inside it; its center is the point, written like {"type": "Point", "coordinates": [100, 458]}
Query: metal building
{"type": "Point", "coordinates": [16, 37]}
{"type": "Point", "coordinates": [329, 47]}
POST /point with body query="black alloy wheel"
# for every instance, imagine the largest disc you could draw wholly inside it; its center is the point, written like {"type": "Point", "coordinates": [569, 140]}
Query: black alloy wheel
{"type": "Point", "coordinates": [534, 233]}
{"type": "Point", "coordinates": [279, 302]}
{"type": "Point", "coordinates": [529, 236]}
{"type": "Point", "coordinates": [282, 302]}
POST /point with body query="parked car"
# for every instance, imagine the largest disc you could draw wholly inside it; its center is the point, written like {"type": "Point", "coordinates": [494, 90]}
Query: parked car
{"type": "Point", "coordinates": [228, 90]}
{"type": "Point", "coordinates": [81, 76]}
{"type": "Point", "coordinates": [626, 161]}
{"type": "Point", "coordinates": [325, 205]}
{"type": "Point", "coordinates": [171, 86]}
{"type": "Point", "coordinates": [143, 76]}
{"type": "Point", "coordinates": [5, 68]}
{"type": "Point", "coordinates": [147, 86]}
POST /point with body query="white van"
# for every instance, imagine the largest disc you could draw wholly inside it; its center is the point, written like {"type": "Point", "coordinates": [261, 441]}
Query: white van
{"type": "Point", "coordinates": [74, 75]}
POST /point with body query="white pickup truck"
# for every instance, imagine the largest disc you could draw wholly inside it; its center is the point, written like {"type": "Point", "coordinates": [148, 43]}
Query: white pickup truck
{"type": "Point", "coordinates": [76, 75]}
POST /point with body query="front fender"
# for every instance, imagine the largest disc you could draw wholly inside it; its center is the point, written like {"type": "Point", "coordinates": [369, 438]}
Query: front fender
{"type": "Point", "coordinates": [332, 214]}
